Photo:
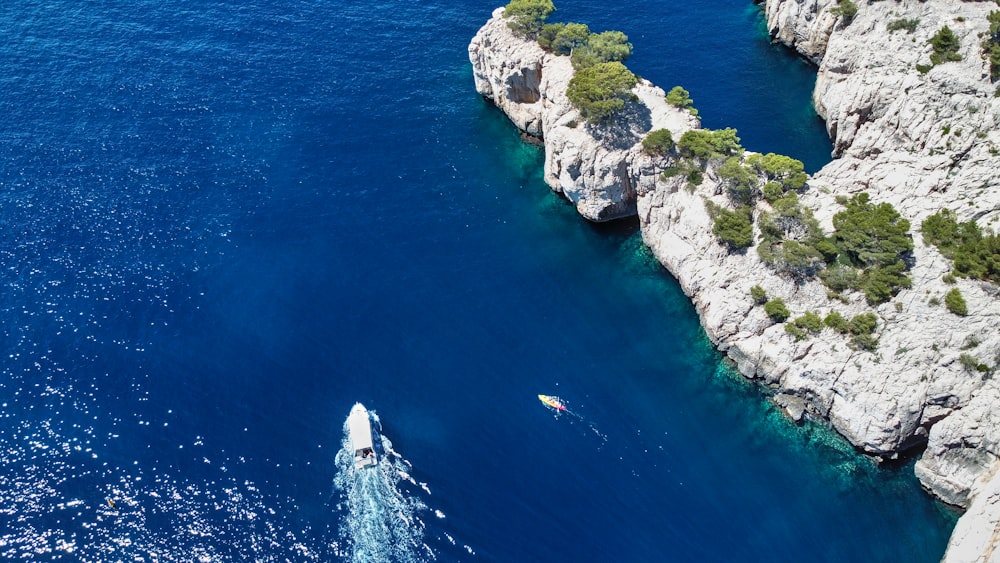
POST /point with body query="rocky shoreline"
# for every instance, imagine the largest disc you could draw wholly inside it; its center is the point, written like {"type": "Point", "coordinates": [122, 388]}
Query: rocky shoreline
{"type": "Point", "coordinates": [920, 141]}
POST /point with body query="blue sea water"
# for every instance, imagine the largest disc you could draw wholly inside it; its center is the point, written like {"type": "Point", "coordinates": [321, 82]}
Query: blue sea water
{"type": "Point", "coordinates": [225, 222]}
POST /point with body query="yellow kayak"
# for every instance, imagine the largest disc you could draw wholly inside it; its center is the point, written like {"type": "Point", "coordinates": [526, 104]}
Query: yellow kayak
{"type": "Point", "coordinates": [552, 401]}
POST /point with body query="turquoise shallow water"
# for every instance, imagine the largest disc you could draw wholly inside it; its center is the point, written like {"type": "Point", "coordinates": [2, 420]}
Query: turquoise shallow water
{"type": "Point", "coordinates": [224, 224]}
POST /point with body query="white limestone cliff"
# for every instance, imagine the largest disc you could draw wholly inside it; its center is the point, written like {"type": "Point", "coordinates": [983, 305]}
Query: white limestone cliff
{"type": "Point", "coordinates": [976, 538]}
{"type": "Point", "coordinates": [599, 170]}
{"type": "Point", "coordinates": [922, 142]}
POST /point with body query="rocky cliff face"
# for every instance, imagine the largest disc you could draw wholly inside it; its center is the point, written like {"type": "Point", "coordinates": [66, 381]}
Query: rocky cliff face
{"type": "Point", "coordinates": [922, 142]}
{"type": "Point", "coordinates": [600, 169]}
{"type": "Point", "coordinates": [976, 538]}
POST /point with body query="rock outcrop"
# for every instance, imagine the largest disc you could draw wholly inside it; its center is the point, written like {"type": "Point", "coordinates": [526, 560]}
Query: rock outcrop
{"type": "Point", "coordinates": [922, 142]}
{"type": "Point", "coordinates": [976, 538]}
{"type": "Point", "coordinates": [600, 169]}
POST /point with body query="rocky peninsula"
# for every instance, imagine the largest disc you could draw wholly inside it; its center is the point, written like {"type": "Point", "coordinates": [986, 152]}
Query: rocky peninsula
{"type": "Point", "coordinates": [918, 136]}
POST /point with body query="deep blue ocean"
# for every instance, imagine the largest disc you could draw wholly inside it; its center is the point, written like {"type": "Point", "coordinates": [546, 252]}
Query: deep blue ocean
{"type": "Point", "coordinates": [224, 223]}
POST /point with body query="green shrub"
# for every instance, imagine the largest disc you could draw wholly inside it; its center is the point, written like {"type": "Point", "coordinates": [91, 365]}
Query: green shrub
{"type": "Point", "coordinates": [604, 47]}
{"type": "Point", "coordinates": [865, 342]}
{"type": "Point", "coordinates": [992, 44]}
{"type": "Point", "coordinates": [970, 342]}
{"type": "Point", "coordinates": [872, 235]}
{"type": "Point", "coordinates": [839, 277]}
{"type": "Point", "coordinates": [796, 332]}
{"type": "Point", "coordinates": [777, 310]}
{"type": "Point", "coordinates": [879, 284]}
{"type": "Point", "coordinates": [772, 191]}
{"type": "Point", "coordinates": [758, 295]}
{"type": "Point", "coordinates": [600, 91]}
{"type": "Point", "coordinates": [739, 181]}
{"type": "Point", "coordinates": [972, 363]}
{"type": "Point", "coordinates": [910, 25]}
{"type": "Point", "coordinates": [787, 171]}
{"type": "Point", "coordinates": [946, 45]}
{"type": "Point", "coordinates": [874, 238]}
{"type": "Point", "coordinates": [734, 228]}
{"type": "Point", "coordinates": [827, 248]}
{"type": "Point", "coordinates": [974, 254]}
{"type": "Point", "coordinates": [694, 178]}
{"type": "Point", "coordinates": [658, 142]}
{"type": "Point", "coordinates": [949, 279]}
{"type": "Point", "coordinates": [790, 238]}
{"type": "Point", "coordinates": [837, 322]}
{"type": "Point", "coordinates": [527, 17]}
{"type": "Point", "coordinates": [955, 303]}
{"type": "Point", "coordinates": [706, 144]}
{"type": "Point", "coordinates": [561, 38]}
{"type": "Point", "coordinates": [923, 69]}
{"type": "Point", "coordinates": [968, 361]}
{"type": "Point", "coordinates": [548, 34]}
{"type": "Point", "coordinates": [810, 321]}
{"type": "Point", "coordinates": [681, 98]}
{"type": "Point", "coordinates": [979, 259]}
{"type": "Point", "coordinates": [994, 19]}
{"type": "Point", "coordinates": [994, 58]}
{"type": "Point", "coordinates": [845, 8]}
{"type": "Point", "coordinates": [942, 230]}
{"type": "Point", "coordinates": [865, 323]}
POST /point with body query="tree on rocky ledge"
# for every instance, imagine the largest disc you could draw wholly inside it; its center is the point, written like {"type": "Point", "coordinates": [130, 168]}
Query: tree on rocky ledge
{"type": "Point", "coordinates": [875, 238]}
{"type": "Point", "coordinates": [658, 142]}
{"type": "Point", "coordinates": [734, 228]}
{"type": "Point", "coordinates": [526, 17]}
{"type": "Point", "coordinates": [705, 144]}
{"type": "Point", "coordinates": [602, 47]}
{"type": "Point", "coordinates": [563, 38]}
{"type": "Point", "coordinates": [679, 97]}
{"type": "Point", "coordinates": [600, 91]}
{"type": "Point", "coordinates": [946, 45]}
{"type": "Point", "coordinates": [846, 9]}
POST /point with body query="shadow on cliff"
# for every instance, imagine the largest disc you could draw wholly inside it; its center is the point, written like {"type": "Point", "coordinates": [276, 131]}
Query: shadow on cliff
{"type": "Point", "coordinates": [624, 130]}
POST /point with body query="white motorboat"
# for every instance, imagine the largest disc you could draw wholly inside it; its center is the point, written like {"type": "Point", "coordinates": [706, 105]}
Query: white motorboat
{"type": "Point", "coordinates": [360, 431]}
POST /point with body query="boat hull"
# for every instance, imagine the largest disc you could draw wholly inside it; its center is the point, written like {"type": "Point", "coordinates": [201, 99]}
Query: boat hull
{"type": "Point", "coordinates": [552, 402]}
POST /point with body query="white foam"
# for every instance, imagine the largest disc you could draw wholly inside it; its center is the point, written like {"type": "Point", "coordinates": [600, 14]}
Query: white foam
{"type": "Point", "coordinates": [380, 523]}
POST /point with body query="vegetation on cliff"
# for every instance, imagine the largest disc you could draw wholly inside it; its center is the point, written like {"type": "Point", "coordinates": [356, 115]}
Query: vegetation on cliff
{"type": "Point", "coordinates": [562, 38]}
{"type": "Point", "coordinates": [705, 144]}
{"type": "Point", "coordinates": [868, 250]}
{"type": "Point", "coordinates": [791, 239]}
{"type": "Point", "coordinates": [955, 302]}
{"type": "Point", "coordinates": [991, 45]}
{"type": "Point", "coordinates": [733, 227]}
{"type": "Point", "coordinates": [874, 239]}
{"type": "Point", "coordinates": [974, 254]}
{"type": "Point", "coordinates": [600, 91]}
{"type": "Point", "coordinates": [908, 24]}
{"type": "Point", "coordinates": [602, 84]}
{"type": "Point", "coordinates": [526, 17]}
{"type": "Point", "coordinates": [945, 47]}
{"type": "Point", "coordinates": [584, 48]}
{"type": "Point", "coordinates": [658, 143]}
{"type": "Point", "coordinates": [777, 310]}
{"type": "Point", "coordinates": [845, 9]}
{"type": "Point", "coordinates": [604, 47]}
{"type": "Point", "coordinates": [679, 97]}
